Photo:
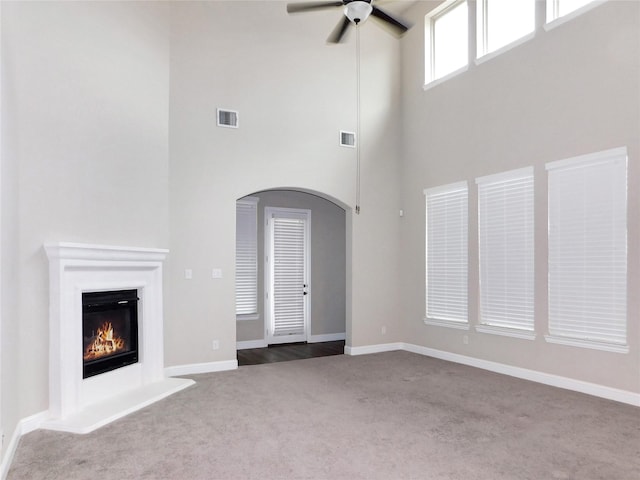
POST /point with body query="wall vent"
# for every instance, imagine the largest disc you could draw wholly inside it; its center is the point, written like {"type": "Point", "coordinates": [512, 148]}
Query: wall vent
{"type": "Point", "coordinates": [347, 139]}
{"type": "Point", "coordinates": [227, 118]}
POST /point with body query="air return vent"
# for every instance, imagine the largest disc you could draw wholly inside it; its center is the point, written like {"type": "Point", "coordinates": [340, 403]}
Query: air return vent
{"type": "Point", "coordinates": [227, 118]}
{"type": "Point", "coordinates": [347, 139]}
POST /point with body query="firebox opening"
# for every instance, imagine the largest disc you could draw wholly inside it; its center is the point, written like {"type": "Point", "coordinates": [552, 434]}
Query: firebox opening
{"type": "Point", "coordinates": [109, 331]}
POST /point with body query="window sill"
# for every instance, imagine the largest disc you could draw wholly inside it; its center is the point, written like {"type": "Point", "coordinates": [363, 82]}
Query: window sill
{"type": "Point", "coordinates": [578, 342]}
{"type": "Point", "coordinates": [448, 76]}
{"type": "Point", "coordinates": [488, 56]}
{"type": "Point", "coordinates": [571, 15]}
{"type": "Point", "coordinates": [434, 322]}
{"type": "Point", "coordinates": [251, 316]}
{"type": "Point", "coordinates": [506, 332]}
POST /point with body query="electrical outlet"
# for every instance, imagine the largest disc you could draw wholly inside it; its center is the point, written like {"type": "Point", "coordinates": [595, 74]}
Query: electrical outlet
{"type": "Point", "coordinates": [216, 273]}
{"type": "Point", "coordinates": [383, 330]}
{"type": "Point", "coordinates": [465, 339]}
{"type": "Point", "coordinates": [215, 345]}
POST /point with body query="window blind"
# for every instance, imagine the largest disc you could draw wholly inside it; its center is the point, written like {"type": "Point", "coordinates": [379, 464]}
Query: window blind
{"type": "Point", "coordinates": [588, 247]}
{"type": "Point", "coordinates": [446, 252]}
{"type": "Point", "coordinates": [506, 255]}
{"type": "Point", "coordinates": [288, 276]}
{"type": "Point", "coordinates": [247, 256]}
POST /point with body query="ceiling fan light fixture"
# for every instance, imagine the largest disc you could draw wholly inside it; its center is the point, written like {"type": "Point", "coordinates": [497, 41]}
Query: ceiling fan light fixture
{"type": "Point", "coordinates": [358, 11]}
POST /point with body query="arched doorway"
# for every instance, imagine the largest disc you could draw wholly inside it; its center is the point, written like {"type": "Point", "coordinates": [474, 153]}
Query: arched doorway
{"type": "Point", "coordinates": [326, 288]}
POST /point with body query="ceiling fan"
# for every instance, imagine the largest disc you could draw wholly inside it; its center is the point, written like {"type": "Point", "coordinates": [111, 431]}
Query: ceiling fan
{"type": "Point", "coordinates": [355, 11]}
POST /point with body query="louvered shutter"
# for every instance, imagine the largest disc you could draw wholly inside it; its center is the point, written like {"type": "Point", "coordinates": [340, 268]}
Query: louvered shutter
{"type": "Point", "coordinates": [505, 235]}
{"type": "Point", "coordinates": [588, 247]}
{"type": "Point", "coordinates": [288, 276]}
{"type": "Point", "coordinates": [247, 256]}
{"type": "Point", "coordinates": [446, 252]}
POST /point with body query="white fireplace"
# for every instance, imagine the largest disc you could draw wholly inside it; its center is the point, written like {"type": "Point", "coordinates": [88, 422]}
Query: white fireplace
{"type": "Point", "coordinates": [81, 405]}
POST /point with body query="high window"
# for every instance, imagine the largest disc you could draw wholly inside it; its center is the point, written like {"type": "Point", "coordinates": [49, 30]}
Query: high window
{"type": "Point", "coordinates": [446, 254]}
{"type": "Point", "coordinates": [560, 8]}
{"type": "Point", "coordinates": [247, 258]}
{"type": "Point", "coordinates": [505, 234]}
{"type": "Point", "coordinates": [446, 40]}
{"type": "Point", "coordinates": [588, 251]}
{"type": "Point", "coordinates": [501, 22]}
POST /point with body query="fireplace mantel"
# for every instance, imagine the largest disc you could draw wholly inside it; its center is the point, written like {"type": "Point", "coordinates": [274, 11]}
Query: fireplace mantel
{"type": "Point", "coordinates": [81, 405]}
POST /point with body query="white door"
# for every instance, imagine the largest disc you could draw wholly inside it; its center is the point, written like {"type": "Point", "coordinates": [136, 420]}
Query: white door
{"type": "Point", "coordinates": [287, 283]}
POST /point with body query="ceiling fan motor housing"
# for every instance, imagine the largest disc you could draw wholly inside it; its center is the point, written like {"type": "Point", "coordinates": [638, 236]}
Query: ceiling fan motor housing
{"type": "Point", "coordinates": [358, 10]}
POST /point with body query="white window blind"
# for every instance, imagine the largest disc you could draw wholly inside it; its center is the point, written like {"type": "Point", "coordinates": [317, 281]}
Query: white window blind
{"type": "Point", "coordinates": [505, 230]}
{"type": "Point", "coordinates": [247, 256]}
{"type": "Point", "coordinates": [588, 248]}
{"type": "Point", "coordinates": [288, 276]}
{"type": "Point", "coordinates": [446, 252]}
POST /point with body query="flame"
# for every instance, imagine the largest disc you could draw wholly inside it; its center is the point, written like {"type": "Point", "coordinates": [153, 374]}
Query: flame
{"type": "Point", "coordinates": [104, 343]}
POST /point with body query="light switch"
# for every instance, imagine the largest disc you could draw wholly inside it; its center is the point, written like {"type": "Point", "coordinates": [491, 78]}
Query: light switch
{"type": "Point", "coordinates": [216, 273]}
{"type": "Point", "coordinates": [188, 274]}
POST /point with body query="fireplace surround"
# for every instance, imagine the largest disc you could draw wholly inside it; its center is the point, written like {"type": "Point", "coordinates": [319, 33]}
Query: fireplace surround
{"type": "Point", "coordinates": [79, 403]}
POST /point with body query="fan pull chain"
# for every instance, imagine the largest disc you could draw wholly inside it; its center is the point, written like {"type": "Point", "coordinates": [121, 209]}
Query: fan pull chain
{"type": "Point", "coordinates": [358, 139]}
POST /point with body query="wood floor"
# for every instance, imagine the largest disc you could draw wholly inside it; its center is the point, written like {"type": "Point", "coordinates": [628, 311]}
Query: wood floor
{"type": "Point", "coordinates": [289, 351]}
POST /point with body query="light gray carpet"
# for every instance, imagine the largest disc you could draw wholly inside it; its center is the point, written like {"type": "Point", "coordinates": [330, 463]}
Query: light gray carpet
{"type": "Point", "coordinates": [393, 415]}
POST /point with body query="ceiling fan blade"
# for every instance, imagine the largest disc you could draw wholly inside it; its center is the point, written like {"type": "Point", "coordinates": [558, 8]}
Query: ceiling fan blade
{"type": "Point", "coordinates": [338, 33]}
{"type": "Point", "coordinates": [396, 25]}
{"type": "Point", "coordinates": [309, 6]}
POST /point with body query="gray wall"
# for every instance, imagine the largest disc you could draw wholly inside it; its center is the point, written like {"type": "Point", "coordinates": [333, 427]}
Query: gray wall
{"type": "Point", "coordinates": [327, 266]}
{"type": "Point", "coordinates": [293, 93]}
{"type": "Point", "coordinates": [85, 106]}
{"type": "Point", "coordinates": [572, 90]}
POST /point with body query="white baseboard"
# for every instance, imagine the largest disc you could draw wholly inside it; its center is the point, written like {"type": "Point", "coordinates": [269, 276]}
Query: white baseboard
{"type": "Point", "coordinates": [602, 391]}
{"type": "Point", "coordinates": [26, 425]}
{"type": "Point", "coordinates": [594, 389]}
{"type": "Point", "coordinates": [247, 344]}
{"type": "Point", "coordinates": [195, 368]}
{"type": "Point", "coordinates": [367, 349]}
{"type": "Point", "coordinates": [327, 337]}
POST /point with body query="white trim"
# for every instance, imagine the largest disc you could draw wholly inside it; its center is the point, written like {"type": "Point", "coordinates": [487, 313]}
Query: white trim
{"type": "Point", "coordinates": [450, 187]}
{"type": "Point", "coordinates": [506, 332]}
{"type": "Point", "coordinates": [594, 389]}
{"type": "Point", "coordinates": [508, 175]}
{"type": "Point", "coordinates": [505, 48]}
{"type": "Point", "coordinates": [556, 22]}
{"type": "Point", "coordinates": [247, 317]}
{"type": "Point", "coordinates": [585, 343]}
{"type": "Point", "coordinates": [114, 408]}
{"type": "Point", "coordinates": [435, 322]}
{"type": "Point", "coordinates": [618, 395]}
{"type": "Point", "coordinates": [367, 349]}
{"type": "Point", "coordinates": [327, 337]}
{"type": "Point", "coordinates": [196, 368]}
{"type": "Point", "coordinates": [24, 426]}
{"type": "Point", "coordinates": [432, 83]}
{"type": "Point", "coordinates": [248, 344]}
{"type": "Point", "coordinates": [593, 158]}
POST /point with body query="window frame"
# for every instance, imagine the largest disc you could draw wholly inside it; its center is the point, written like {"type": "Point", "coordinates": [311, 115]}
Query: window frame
{"type": "Point", "coordinates": [430, 79]}
{"type": "Point", "coordinates": [554, 19]}
{"type": "Point", "coordinates": [482, 53]}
